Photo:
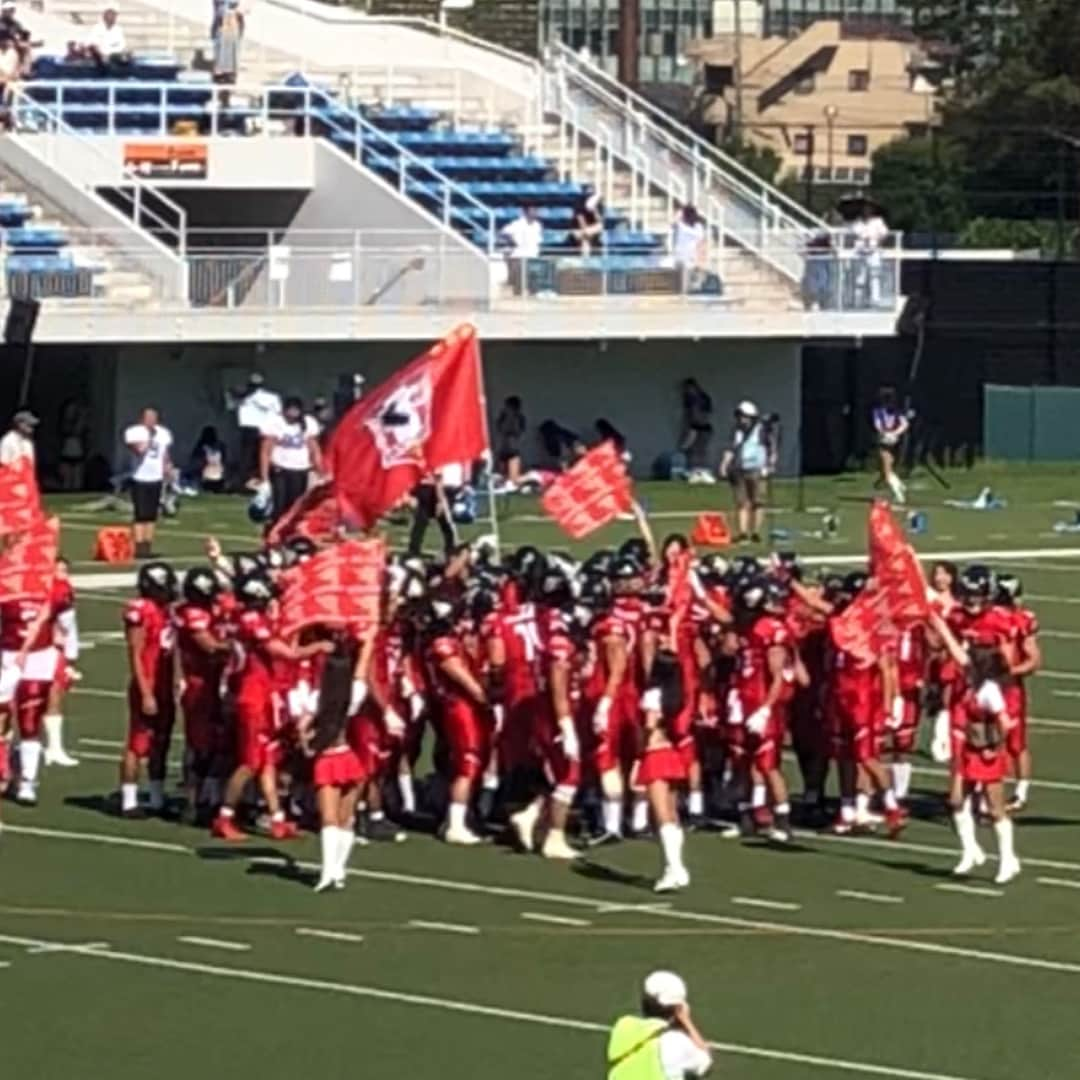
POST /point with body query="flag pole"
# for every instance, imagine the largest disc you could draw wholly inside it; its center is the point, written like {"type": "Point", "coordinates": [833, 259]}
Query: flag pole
{"type": "Point", "coordinates": [492, 514]}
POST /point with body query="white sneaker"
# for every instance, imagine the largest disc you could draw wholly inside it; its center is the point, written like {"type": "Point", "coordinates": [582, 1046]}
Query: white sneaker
{"type": "Point", "coordinates": [1009, 869]}
{"type": "Point", "coordinates": [971, 860]}
{"type": "Point", "coordinates": [26, 794]}
{"type": "Point", "coordinates": [672, 881]}
{"type": "Point", "coordinates": [524, 823]}
{"type": "Point", "coordinates": [465, 837]}
{"type": "Point", "coordinates": [325, 882]}
{"type": "Point", "coordinates": [59, 757]}
{"type": "Point", "coordinates": [556, 847]}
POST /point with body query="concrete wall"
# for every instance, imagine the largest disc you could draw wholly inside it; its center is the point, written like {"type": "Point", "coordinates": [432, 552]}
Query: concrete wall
{"type": "Point", "coordinates": [635, 386]}
{"type": "Point", "coordinates": [390, 247]}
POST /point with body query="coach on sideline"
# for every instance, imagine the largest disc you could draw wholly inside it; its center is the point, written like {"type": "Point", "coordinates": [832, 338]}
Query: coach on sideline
{"type": "Point", "coordinates": [150, 445]}
{"type": "Point", "coordinates": [662, 1043]}
{"type": "Point", "coordinates": [18, 441]}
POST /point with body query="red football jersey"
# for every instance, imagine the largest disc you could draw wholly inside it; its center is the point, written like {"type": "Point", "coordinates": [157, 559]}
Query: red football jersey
{"type": "Point", "coordinates": [911, 657]}
{"type": "Point", "coordinates": [607, 626]}
{"type": "Point", "coordinates": [159, 637]}
{"type": "Point", "coordinates": [17, 617]}
{"type": "Point", "coordinates": [254, 632]}
{"type": "Point", "coordinates": [751, 677]}
{"type": "Point", "coordinates": [446, 647]}
{"type": "Point", "coordinates": [198, 665]}
{"type": "Point", "coordinates": [520, 634]}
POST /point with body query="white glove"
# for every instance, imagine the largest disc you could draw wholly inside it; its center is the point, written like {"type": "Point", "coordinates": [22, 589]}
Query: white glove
{"type": "Point", "coordinates": [500, 715]}
{"type": "Point", "coordinates": [941, 744]}
{"type": "Point", "coordinates": [416, 705]}
{"type": "Point", "coordinates": [758, 720]}
{"type": "Point", "coordinates": [895, 719]}
{"type": "Point", "coordinates": [601, 715]}
{"type": "Point", "coordinates": [395, 725]}
{"type": "Point", "coordinates": [568, 737]}
{"type": "Point", "coordinates": [9, 681]}
{"type": "Point", "coordinates": [358, 696]}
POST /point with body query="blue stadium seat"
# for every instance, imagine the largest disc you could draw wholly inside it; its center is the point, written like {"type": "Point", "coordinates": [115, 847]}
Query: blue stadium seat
{"type": "Point", "coordinates": [35, 238]}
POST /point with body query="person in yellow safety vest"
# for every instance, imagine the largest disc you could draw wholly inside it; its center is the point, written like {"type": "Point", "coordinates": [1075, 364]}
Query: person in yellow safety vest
{"type": "Point", "coordinates": [662, 1043]}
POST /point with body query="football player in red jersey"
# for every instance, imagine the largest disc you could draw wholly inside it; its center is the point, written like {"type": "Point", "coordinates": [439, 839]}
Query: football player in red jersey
{"type": "Point", "coordinates": [257, 706]}
{"type": "Point", "coordinates": [556, 742]}
{"type": "Point", "coordinates": [464, 709]}
{"type": "Point", "coordinates": [204, 649]}
{"type": "Point", "coordinates": [980, 761]}
{"type": "Point", "coordinates": [29, 660]}
{"type": "Point", "coordinates": [67, 644]}
{"type": "Point", "coordinates": [1025, 661]}
{"type": "Point", "coordinates": [906, 677]}
{"type": "Point", "coordinates": [510, 639]}
{"type": "Point", "coordinates": [761, 687]}
{"type": "Point", "coordinates": [611, 703]}
{"type": "Point", "coordinates": [856, 705]}
{"type": "Point", "coordinates": [151, 639]}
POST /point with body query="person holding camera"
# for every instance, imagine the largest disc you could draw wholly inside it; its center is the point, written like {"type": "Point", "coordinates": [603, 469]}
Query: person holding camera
{"type": "Point", "coordinates": [663, 1043]}
{"type": "Point", "coordinates": [747, 462]}
{"type": "Point", "coordinates": [891, 424]}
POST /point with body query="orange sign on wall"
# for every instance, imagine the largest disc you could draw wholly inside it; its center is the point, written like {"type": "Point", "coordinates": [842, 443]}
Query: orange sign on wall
{"type": "Point", "coordinates": [174, 159]}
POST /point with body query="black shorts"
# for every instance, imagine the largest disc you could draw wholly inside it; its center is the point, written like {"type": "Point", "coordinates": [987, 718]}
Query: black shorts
{"type": "Point", "coordinates": [287, 485]}
{"type": "Point", "coordinates": [146, 500]}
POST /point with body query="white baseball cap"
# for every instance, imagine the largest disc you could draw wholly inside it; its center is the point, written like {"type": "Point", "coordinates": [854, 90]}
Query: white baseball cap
{"type": "Point", "coordinates": [746, 408]}
{"type": "Point", "coordinates": [665, 988]}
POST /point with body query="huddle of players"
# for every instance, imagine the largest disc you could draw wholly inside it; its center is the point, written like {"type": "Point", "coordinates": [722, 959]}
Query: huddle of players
{"type": "Point", "coordinates": [635, 679]}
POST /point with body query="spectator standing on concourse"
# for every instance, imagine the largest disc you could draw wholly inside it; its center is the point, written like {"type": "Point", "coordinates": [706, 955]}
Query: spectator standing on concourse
{"type": "Point", "coordinates": [526, 236]}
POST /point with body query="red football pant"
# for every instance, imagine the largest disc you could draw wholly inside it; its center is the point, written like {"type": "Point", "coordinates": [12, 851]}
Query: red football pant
{"type": "Point", "coordinates": [31, 704]}
{"type": "Point", "coordinates": [468, 736]}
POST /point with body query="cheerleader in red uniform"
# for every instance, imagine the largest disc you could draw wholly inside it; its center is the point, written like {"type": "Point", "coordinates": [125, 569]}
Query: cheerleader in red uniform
{"type": "Point", "coordinates": [983, 760]}
{"type": "Point", "coordinates": [337, 772]}
{"type": "Point", "coordinates": [662, 768]}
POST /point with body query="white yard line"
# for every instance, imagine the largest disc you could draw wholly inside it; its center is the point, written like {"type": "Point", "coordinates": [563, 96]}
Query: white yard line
{"type": "Point", "coordinates": [772, 905]}
{"type": "Point", "coordinates": [1058, 883]}
{"type": "Point", "coordinates": [95, 691]}
{"type": "Point", "coordinates": [1047, 673]}
{"type": "Point", "coordinates": [1050, 785]}
{"type": "Point", "coordinates": [1064, 635]}
{"type": "Point", "coordinates": [447, 927]}
{"type": "Point", "coordinates": [555, 920]}
{"type": "Point", "coordinates": [593, 904]}
{"type": "Point", "coordinates": [969, 890]}
{"type": "Point", "coordinates": [869, 897]}
{"type": "Point", "coordinates": [98, 838]}
{"type": "Point", "coordinates": [1067, 725]}
{"type": "Point", "coordinates": [1043, 598]}
{"type": "Point", "coordinates": [1066, 693]}
{"type": "Point", "coordinates": [108, 744]}
{"type": "Point", "coordinates": [329, 935]}
{"type": "Point", "coordinates": [60, 947]}
{"type": "Point", "coordinates": [452, 1005]}
{"type": "Point", "coordinates": [215, 943]}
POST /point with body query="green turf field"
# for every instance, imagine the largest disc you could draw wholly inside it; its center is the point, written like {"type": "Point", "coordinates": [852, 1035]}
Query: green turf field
{"type": "Point", "coordinates": [138, 949]}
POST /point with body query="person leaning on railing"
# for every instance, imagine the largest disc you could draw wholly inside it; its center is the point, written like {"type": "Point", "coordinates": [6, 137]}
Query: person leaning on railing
{"type": "Point", "coordinates": [10, 65]}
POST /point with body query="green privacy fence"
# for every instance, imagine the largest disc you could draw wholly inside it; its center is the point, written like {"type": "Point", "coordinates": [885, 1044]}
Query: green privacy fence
{"type": "Point", "coordinates": [1031, 423]}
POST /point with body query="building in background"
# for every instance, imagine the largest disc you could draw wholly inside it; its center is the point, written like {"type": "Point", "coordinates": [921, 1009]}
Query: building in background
{"type": "Point", "coordinates": [824, 100]}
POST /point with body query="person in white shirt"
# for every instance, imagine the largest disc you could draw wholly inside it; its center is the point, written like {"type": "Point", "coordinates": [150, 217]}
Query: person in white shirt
{"type": "Point", "coordinates": [289, 454]}
{"type": "Point", "coordinates": [526, 236]}
{"type": "Point", "coordinates": [870, 233]}
{"type": "Point", "coordinates": [150, 445]}
{"type": "Point", "coordinates": [107, 44]}
{"type": "Point", "coordinates": [257, 407]}
{"type": "Point", "coordinates": [663, 1042]}
{"type": "Point", "coordinates": [688, 245]}
{"type": "Point", "coordinates": [18, 442]}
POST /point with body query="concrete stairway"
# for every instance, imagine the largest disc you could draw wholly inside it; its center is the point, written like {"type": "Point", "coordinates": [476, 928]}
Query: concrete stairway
{"type": "Point", "coordinates": [115, 281]}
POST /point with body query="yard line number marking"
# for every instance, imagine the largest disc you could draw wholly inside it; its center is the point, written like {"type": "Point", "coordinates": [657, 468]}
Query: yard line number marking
{"type": "Point", "coordinates": [870, 897]}
{"type": "Point", "coordinates": [448, 927]}
{"type": "Point", "coordinates": [773, 905]}
{"type": "Point", "coordinates": [329, 935]}
{"type": "Point", "coordinates": [555, 920]}
{"type": "Point", "coordinates": [968, 890]}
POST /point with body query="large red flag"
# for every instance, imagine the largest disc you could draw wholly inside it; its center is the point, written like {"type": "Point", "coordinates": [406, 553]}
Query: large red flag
{"type": "Point", "coordinates": [431, 413]}
{"type": "Point", "coordinates": [20, 501]}
{"type": "Point", "coordinates": [594, 491]}
{"type": "Point", "coordinates": [28, 564]}
{"type": "Point", "coordinates": [340, 586]}
{"type": "Point", "coordinates": [895, 597]}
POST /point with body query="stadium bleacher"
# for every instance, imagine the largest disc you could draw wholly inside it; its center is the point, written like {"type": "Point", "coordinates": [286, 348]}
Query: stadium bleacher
{"type": "Point", "coordinates": [485, 176]}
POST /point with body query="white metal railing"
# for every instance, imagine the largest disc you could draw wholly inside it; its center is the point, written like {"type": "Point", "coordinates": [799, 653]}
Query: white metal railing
{"type": "Point", "coordinates": [763, 218]}
{"type": "Point", "coordinates": [254, 270]}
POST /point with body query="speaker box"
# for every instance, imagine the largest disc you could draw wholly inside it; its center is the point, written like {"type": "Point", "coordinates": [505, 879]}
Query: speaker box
{"type": "Point", "coordinates": [21, 319]}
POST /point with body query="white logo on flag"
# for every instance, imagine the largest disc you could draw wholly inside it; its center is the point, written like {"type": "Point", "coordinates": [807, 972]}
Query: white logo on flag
{"type": "Point", "coordinates": [403, 424]}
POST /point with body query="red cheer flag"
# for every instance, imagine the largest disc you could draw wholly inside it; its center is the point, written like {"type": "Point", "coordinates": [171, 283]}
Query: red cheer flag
{"type": "Point", "coordinates": [430, 414]}
{"type": "Point", "coordinates": [594, 491]}
{"type": "Point", "coordinates": [341, 586]}
{"type": "Point", "coordinates": [894, 599]}
{"type": "Point", "coordinates": [317, 514]}
{"type": "Point", "coordinates": [28, 563]}
{"type": "Point", "coordinates": [20, 500]}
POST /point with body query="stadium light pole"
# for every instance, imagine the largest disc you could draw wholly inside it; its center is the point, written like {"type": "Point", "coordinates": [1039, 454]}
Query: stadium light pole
{"type": "Point", "coordinates": [629, 42]}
